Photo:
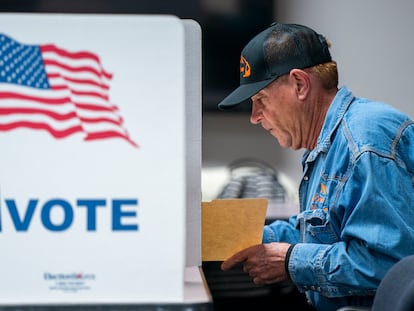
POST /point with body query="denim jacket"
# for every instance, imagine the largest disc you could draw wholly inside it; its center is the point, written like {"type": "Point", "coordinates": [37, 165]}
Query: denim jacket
{"type": "Point", "coordinates": [356, 198]}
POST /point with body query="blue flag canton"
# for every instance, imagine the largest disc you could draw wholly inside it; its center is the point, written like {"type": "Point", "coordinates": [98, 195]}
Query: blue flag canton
{"type": "Point", "coordinates": [22, 64]}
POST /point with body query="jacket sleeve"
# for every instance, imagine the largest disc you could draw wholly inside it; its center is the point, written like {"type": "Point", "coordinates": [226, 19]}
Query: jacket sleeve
{"type": "Point", "coordinates": [281, 231]}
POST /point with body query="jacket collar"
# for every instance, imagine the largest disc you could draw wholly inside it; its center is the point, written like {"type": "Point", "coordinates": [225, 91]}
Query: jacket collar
{"type": "Point", "coordinates": [334, 116]}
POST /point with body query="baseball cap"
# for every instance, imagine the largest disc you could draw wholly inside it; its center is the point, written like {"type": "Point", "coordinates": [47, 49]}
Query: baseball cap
{"type": "Point", "coordinates": [273, 53]}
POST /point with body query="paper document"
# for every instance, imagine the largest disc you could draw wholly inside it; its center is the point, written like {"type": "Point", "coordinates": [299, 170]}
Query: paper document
{"type": "Point", "coordinates": [230, 225]}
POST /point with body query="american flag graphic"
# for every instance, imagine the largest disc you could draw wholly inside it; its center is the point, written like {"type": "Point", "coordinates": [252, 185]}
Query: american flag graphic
{"type": "Point", "coordinates": [45, 87]}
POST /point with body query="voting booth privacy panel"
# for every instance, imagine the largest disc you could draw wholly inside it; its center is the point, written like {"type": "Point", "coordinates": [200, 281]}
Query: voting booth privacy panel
{"type": "Point", "coordinates": [94, 170]}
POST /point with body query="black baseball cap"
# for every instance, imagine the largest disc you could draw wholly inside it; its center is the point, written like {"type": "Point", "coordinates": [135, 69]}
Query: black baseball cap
{"type": "Point", "coordinates": [275, 52]}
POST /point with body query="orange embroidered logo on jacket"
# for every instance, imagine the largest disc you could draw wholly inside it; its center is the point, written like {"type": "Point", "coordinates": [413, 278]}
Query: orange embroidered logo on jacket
{"type": "Point", "coordinates": [244, 67]}
{"type": "Point", "coordinates": [319, 198]}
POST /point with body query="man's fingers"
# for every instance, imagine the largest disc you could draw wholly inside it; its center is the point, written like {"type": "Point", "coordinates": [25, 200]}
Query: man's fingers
{"type": "Point", "coordinates": [234, 260]}
{"type": "Point", "coordinates": [239, 257]}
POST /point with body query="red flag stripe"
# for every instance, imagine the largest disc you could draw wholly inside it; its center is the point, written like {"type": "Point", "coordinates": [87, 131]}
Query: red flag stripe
{"type": "Point", "coordinates": [41, 126]}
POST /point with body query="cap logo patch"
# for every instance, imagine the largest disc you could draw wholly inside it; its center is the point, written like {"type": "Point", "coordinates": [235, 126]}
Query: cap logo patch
{"type": "Point", "coordinates": [244, 67]}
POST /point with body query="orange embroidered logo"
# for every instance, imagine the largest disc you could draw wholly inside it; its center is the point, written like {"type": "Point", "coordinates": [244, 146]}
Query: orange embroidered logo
{"type": "Point", "coordinates": [320, 198]}
{"type": "Point", "coordinates": [323, 189]}
{"type": "Point", "coordinates": [244, 67]}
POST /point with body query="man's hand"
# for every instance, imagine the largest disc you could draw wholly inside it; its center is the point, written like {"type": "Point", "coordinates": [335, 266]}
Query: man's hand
{"type": "Point", "coordinates": [265, 263]}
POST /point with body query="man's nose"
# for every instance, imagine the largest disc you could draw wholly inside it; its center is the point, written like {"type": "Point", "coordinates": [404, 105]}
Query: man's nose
{"type": "Point", "coordinates": [255, 115]}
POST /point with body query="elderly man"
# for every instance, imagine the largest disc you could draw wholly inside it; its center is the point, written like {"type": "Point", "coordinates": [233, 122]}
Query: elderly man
{"type": "Point", "coordinates": [356, 215]}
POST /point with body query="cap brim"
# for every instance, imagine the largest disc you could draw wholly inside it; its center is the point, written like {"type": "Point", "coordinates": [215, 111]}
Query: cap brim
{"type": "Point", "coordinates": [242, 93]}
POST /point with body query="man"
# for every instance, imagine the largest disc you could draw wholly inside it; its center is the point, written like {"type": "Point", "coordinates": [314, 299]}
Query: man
{"type": "Point", "coordinates": [356, 215]}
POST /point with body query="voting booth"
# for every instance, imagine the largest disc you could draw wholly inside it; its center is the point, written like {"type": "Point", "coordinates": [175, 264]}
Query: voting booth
{"type": "Point", "coordinates": [100, 139]}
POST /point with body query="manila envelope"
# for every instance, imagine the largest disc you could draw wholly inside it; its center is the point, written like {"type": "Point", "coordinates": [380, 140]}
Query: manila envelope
{"type": "Point", "coordinates": [230, 225]}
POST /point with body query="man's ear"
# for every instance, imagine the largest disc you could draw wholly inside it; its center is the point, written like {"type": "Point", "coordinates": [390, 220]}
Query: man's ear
{"type": "Point", "coordinates": [301, 80]}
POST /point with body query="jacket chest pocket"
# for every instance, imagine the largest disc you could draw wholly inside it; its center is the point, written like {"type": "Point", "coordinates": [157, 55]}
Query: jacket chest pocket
{"type": "Point", "coordinates": [315, 227]}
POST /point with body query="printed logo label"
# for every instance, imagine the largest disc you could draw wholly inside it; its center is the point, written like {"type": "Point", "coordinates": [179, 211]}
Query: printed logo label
{"type": "Point", "coordinates": [69, 282]}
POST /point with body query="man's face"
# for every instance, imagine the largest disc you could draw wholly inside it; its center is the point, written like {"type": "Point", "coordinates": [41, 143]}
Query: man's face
{"type": "Point", "coordinates": [277, 109]}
